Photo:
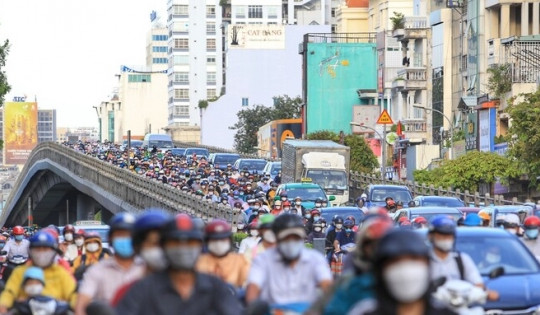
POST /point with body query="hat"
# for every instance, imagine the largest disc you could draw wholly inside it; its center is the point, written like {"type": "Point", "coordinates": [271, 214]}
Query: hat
{"type": "Point", "coordinates": [292, 231]}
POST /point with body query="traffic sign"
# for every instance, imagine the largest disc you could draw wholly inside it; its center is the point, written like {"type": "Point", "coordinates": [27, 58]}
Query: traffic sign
{"type": "Point", "coordinates": [385, 119]}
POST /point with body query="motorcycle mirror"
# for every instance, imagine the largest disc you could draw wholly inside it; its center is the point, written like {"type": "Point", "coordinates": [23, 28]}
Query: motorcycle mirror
{"type": "Point", "coordinates": [497, 272]}
{"type": "Point", "coordinates": [3, 253]}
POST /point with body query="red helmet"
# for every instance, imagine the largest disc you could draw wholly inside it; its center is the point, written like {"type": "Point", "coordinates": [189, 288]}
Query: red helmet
{"type": "Point", "coordinates": [420, 220]}
{"type": "Point", "coordinates": [286, 203]}
{"type": "Point", "coordinates": [403, 219]}
{"type": "Point", "coordinates": [532, 222]}
{"type": "Point", "coordinates": [68, 228]}
{"type": "Point", "coordinates": [314, 212]}
{"type": "Point", "coordinates": [52, 232]}
{"type": "Point", "coordinates": [3, 239]}
{"type": "Point", "coordinates": [80, 232]}
{"type": "Point", "coordinates": [18, 230]}
{"type": "Point", "coordinates": [351, 218]}
{"type": "Point", "coordinates": [218, 229]}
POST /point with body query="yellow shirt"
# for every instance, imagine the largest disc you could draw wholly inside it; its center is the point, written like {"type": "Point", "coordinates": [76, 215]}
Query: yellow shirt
{"type": "Point", "coordinates": [59, 284]}
{"type": "Point", "coordinates": [233, 268]}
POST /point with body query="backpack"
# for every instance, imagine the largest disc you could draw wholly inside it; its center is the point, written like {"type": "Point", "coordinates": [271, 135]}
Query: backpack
{"type": "Point", "coordinates": [79, 273]}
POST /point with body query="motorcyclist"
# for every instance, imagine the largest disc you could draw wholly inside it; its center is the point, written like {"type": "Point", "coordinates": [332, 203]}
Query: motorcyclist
{"type": "Point", "coordinates": [93, 253]}
{"type": "Point", "coordinates": [530, 238]}
{"type": "Point", "coordinates": [337, 224]}
{"type": "Point", "coordinates": [251, 240]}
{"type": "Point", "coordinates": [344, 242]}
{"type": "Point", "coordinates": [268, 238]}
{"type": "Point", "coordinates": [419, 223]}
{"type": "Point", "coordinates": [180, 288]}
{"type": "Point", "coordinates": [472, 219]}
{"type": "Point", "coordinates": [17, 245]}
{"type": "Point", "coordinates": [286, 206]}
{"type": "Point", "coordinates": [68, 232]}
{"type": "Point", "coordinates": [361, 203]}
{"type": "Point", "coordinates": [319, 202]}
{"type": "Point", "coordinates": [277, 208]}
{"type": "Point", "coordinates": [78, 242]}
{"type": "Point", "coordinates": [298, 206]}
{"type": "Point", "coordinates": [314, 216]}
{"type": "Point", "coordinates": [317, 232]}
{"type": "Point", "coordinates": [485, 216]}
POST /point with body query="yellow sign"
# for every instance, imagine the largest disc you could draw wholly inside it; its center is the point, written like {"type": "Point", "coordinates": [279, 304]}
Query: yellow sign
{"type": "Point", "coordinates": [20, 131]}
{"type": "Point", "coordinates": [385, 119]}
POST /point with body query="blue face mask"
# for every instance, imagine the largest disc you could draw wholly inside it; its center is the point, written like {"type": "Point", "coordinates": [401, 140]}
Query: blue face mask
{"type": "Point", "coordinates": [122, 247]}
{"type": "Point", "coordinates": [19, 237]}
{"type": "Point", "coordinates": [2, 245]}
{"type": "Point", "coordinates": [348, 230]}
{"type": "Point", "coordinates": [531, 233]}
{"type": "Point", "coordinates": [317, 218]}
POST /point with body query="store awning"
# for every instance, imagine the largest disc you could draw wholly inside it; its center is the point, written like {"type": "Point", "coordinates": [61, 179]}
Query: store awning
{"type": "Point", "coordinates": [467, 102]}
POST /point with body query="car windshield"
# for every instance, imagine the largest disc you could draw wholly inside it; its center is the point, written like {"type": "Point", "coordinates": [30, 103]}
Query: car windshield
{"type": "Point", "coordinates": [160, 144]}
{"type": "Point", "coordinates": [225, 159]}
{"type": "Point", "coordinates": [104, 233]}
{"type": "Point", "coordinates": [276, 167]}
{"type": "Point", "coordinates": [329, 179]}
{"type": "Point", "coordinates": [134, 143]}
{"type": "Point", "coordinates": [379, 194]}
{"type": "Point", "coordinates": [307, 194]}
{"type": "Point", "coordinates": [177, 151]}
{"type": "Point", "coordinates": [197, 151]}
{"type": "Point", "coordinates": [252, 165]}
{"type": "Point", "coordinates": [442, 202]}
{"type": "Point", "coordinates": [328, 214]}
{"type": "Point", "coordinates": [430, 215]}
{"type": "Point", "coordinates": [514, 257]}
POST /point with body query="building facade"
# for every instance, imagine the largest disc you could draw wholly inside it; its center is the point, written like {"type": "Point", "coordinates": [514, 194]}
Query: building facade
{"type": "Point", "coordinates": [46, 125]}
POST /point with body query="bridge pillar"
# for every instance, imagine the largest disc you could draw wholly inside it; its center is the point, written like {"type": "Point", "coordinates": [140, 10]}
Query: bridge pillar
{"type": "Point", "coordinates": [86, 207]}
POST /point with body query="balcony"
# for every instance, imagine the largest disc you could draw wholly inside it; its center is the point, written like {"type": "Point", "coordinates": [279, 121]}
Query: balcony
{"type": "Point", "coordinates": [416, 27]}
{"type": "Point", "coordinates": [414, 125]}
{"type": "Point", "coordinates": [410, 79]}
{"type": "Point", "coordinates": [494, 50]}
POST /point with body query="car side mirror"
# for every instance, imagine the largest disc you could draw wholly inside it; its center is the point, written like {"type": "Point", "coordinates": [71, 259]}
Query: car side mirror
{"type": "Point", "coordinates": [497, 272]}
{"type": "Point", "coordinates": [331, 198]}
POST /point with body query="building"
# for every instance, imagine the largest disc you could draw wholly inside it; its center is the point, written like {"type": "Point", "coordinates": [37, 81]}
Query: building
{"type": "Point", "coordinates": [256, 12]}
{"type": "Point", "coordinates": [353, 17]}
{"type": "Point", "coordinates": [46, 125]}
{"type": "Point", "coordinates": [81, 133]}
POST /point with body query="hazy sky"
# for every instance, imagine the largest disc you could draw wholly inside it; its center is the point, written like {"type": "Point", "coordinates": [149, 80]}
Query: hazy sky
{"type": "Point", "coordinates": [66, 52]}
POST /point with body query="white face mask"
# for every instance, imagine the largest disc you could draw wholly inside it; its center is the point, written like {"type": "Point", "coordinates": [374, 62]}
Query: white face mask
{"type": "Point", "coordinates": [444, 245]}
{"type": "Point", "coordinates": [79, 242]}
{"type": "Point", "coordinates": [339, 226]}
{"type": "Point", "coordinates": [269, 236]}
{"type": "Point", "coordinates": [33, 289]}
{"type": "Point", "coordinates": [254, 233]}
{"type": "Point", "coordinates": [220, 247]}
{"type": "Point", "coordinates": [154, 257]}
{"type": "Point", "coordinates": [92, 247]}
{"type": "Point", "coordinates": [298, 203]}
{"type": "Point", "coordinates": [291, 249]}
{"type": "Point", "coordinates": [68, 237]}
{"type": "Point", "coordinates": [407, 281]}
{"type": "Point", "coordinates": [317, 229]}
{"type": "Point", "coordinates": [493, 258]}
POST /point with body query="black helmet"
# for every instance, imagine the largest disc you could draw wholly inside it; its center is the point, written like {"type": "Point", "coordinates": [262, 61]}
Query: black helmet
{"type": "Point", "coordinates": [348, 224]}
{"type": "Point", "coordinates": [337, 220]}
{"type": "Point", "coordinates": [287, 224]}
{"type": "Point", "coordinates": [181, 227]}
{"type": "Point", "coordinates": [319, 199]}
{"type": "Point", "coordinates": [400, 242]}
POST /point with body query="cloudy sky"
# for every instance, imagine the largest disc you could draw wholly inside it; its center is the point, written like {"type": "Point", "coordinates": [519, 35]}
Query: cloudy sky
{"type": "Point", "coordinates": [66, 52]}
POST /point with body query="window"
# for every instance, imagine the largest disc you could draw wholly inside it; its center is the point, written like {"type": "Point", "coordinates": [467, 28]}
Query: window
{"type": "Point", "coordinates": [210, 28]}
{"type": "Point", "coordinates": [273, 12]}
{"type": "Point", "coordinates": [210, 43]}
{"type": "Point", "coordinates": [181, 77]}
{"type": "Point", "coordinates": [333, 12]}
{"type": "Point", "coordinates": [211, 94]}
{"type": "Point", "coordinates": [211, 59]}
{"type": "Point", "coordinates": [181, 93]}
{"type": "Point", "coordinates": [210, 78]}
{"type": "Point", "coordinates": [255, 11]}
{"type": "Point", "coordinates": [210, 11]}
{"type": "Point", "coordinates": [180, 27]}
{"type": "Point", "coordinates": [180, 9]}
{"type": "Point", "coordinates": [241, 12]}
{"type": "Point", "coordinates": [181, 43]}
{"type": "Point", "coordinates": [159, 49]}
{"type": "Point", "coordinates": [181, 60]}
{"type": "Point", "coordinates": [245, 101]}
{"type": "Point", "coordinates": [139, 78]}
{"type": "Point", "coordinates": [333, 29]}
{"type": "Point", "coordinates": [159, 60]}
{"type": "Point", "coordinates": [159, 38]}
{"type": "Point", "coordinates": [181, 111]}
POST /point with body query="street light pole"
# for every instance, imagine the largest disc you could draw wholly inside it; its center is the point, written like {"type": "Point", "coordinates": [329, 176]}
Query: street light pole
{"type": "Point", "coordinates": [383, 144]}
{"type": "Point", "coordinates": [449, 126]}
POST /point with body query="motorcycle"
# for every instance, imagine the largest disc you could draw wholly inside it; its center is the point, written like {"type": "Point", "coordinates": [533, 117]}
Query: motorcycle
{"type": "Point", "coordinates": [263, 308]}
{"type": "Point", "coordinates": [464, 297]}
{"type": "Point", "coordinates": [12, 263]}
{"type": "Point", "coordinates": [40, 305]}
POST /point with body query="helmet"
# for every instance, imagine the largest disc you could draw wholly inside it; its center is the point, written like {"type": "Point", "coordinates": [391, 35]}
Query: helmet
{"type": "Point", "coordinates": [92, 236]}
{"type": "Point", "coordinates": [319, 200]}
{"type": "Point", "coordinates": [122, 221]}
{"type": "Point", "coordinates": [34, 273]}
{"type": "Point", "coordinates": [352, 218]}
{"type": "Point", "coordinates": [3, 239]}
{"type": "Point", "coordinates": [18, 230]}
{"type": "Point", "coordinates": [288, 224]}
{"type": "Point", "coordinates": [153, 219]}
{"type": "Point", "coordinates": [419, 220]}
{"type": "Point", "coordinates": [277, 203]}
{"type": "Point", "coordinates": [68, 228]}
{"type": "Point", "coordinates": [315, 211]}
{"type": "Point", "coordinates": [238, 204]}
{"type": "Point", "coordinates": [283, 193]}
{"type": "Point", "coordinates": [348, 224]}
{"type": "Point", "coordinates": [532, 222]}
{"type": "Point", "coordinates": [298, 198]}
{"type": "Point", "coordinates": [181, 228]}
{"type": "Point", "coordinates": [52, 232]}
{"type": "Point", "coordinates": [390, 203]}
{"type": "Point", "coordinates": [484, 215]}
{"type": "Point", "coordinates": [43, 239]}
{"type": "Point", "coordinates": [286, 203]}
{"type": "Point", "coordinates": [80, 232]}
{"type": "Point", "coordinates": [442, 224]}
{"type": "Point", "coordinates": [472, 219]}
{"type": "Point", "coordinates": [218, 229]}
{"type": "Point", "coordinates": [400, 242]}
{"type": "Point", "coordinates": [337, 220]}
{"type": "Point", "coordinates": [265, 221]}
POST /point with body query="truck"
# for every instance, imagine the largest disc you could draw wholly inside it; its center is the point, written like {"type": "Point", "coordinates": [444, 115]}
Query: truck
{"type": "Point", "coordinates": [270, 136]}
{"type": "Point", "coordinates": [324, 162]}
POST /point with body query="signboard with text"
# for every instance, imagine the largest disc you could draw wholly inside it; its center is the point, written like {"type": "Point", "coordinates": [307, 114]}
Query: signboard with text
{"type": "Point", "coordinates": [486, 130]}
{"type": "Point", "coordinates": [256, 36]}
{"type": "Point", "coordinates": [20, 131]}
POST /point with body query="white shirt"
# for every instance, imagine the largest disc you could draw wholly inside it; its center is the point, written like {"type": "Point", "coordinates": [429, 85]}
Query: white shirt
{"type": "Point", "coordinates": [448, 268]}
{"type": "Point", "coordinates": [13, 248]}
{"type": "Point", "coordinates": [248, 243]}
{"type": "Point", "coordinates": [282, 284]}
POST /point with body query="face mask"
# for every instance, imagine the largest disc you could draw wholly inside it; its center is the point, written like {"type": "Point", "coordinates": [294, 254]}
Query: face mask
{"type": "Point", "coordinates": [348, 230]}
{"type": "Point", "coordinates": [308, 216]}
{"type": "Point", "coordinates": [294, 211]}
{"type": "Point", "coordinates": [283, 198]}
{"type": "Point", "coordinates": [269, 236]}
{"type": "Point", "coordinates": [298, 203]}
{"type": "Point", "coordinates": [2, 245]}
{"type": "Point", "coordinates": [33, 289]}
{"type": "Point", "coordinates": [254, 233]}
{"type": "Point", "coordinates": [531, 233]}
{"type": "Point", "coordinates": [122, 247]}
{"type": "Point", "coordinates": [493, 258]}
{"type": "Point", "coordinates": [183, 257]}
{"type": "Point", "coordinates": [317, 218]}
{"type": "Point", "coordinates": [42, 259]}
{"type": "Point", "coordinates": [407, 281]}
{"type": "Point", "coordinates": [317, 205]}
{"type": "Point", "coordinates": [317, 229]}
{"type": "Point", "coordinates": [19, 237]}
{"type": "Point", "coordinates": [221, 183]}
{"type": "Point", "coordinates": [240, 226]}
{"type": "Point", "coordinates": [79, 242]}
{"type": "Point", "coordinates": [68, 237]}
{"type": "Point", "coordinates": [154, 257]}
{"type": "Point", "coordinates": [255, 212]}
{"type": "Point", "coordinates": [512, 231]}
{"type": "Point", "coordinates": [286, 208]}
{"type": "Point", "coordinates": [92, 247]}
{"type": "Point", "coordinates": [255, 207]}
{"type": "Point", "coordinates": [291, 250]}
{"type": "Point", "coordinates": [444, 245]}
{"type": "Point", "coordinates": [339, 226]}
{"type": "Point", "coordinates": [219, 248]}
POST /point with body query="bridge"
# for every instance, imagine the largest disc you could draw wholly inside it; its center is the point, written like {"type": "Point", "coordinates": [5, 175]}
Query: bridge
{"type": "Point", "coordinates": [58, 185]}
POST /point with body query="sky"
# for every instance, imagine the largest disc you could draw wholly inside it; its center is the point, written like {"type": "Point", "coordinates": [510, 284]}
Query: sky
{"type": "Point", "coordinates": [65, 53]}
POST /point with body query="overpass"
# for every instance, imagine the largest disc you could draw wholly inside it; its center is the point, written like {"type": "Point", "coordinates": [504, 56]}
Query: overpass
{"type": "Point", "coordinates": [58, 185]}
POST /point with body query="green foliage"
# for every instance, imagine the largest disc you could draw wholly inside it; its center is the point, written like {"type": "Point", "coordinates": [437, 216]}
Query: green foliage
{"type": "Point", "coordinates": [500, 80]}
{"type": "Point", "coordinates": [238, 237]}
{"type": "Point", "coordinates": [203, 104]}
{"type": "Point", "coordinates": [398, 21]}
{"type": "Point", "coordinates": [524, 145]}
{"type": "Point", "coordinates": [469, 170]}
{"type": "Point", "coordinates": [4, 86]}
{"type": "Point", "coordinates": [251, 119]}
{"type": "Point", "coordinates": [362, 158]}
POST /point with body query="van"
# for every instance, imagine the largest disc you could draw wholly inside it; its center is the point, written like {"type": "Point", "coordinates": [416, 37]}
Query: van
{"type": "Point", "coordinates": [162, 142]}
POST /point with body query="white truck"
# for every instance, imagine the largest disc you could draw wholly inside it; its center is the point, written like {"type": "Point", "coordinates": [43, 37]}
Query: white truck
{"type": "Point", "coordinates": [323, 161]}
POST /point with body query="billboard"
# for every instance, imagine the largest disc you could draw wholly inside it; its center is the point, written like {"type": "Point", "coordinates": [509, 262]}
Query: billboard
{"type": "Point", "coordinates": [486, 129]}
{"type": "Point", "coordinates": [20, 131]}
{"type": "Point", "coordinates": [366, 115]}
{"type": "Point", "coordinates": [334, 74]}
{"type": "Point", "coordinates": [256, 36]}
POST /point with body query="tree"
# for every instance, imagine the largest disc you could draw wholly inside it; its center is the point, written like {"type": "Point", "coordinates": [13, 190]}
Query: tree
{"type": "Point", "coordinates": [4, 86]}
{"type": "Point", "coordinates": [500, 80]}
{"type": "Point", "coordinates": [286, 107]}
{"type": "Point", "coordinates": [524, 142]}
{"type": "Point", "coordinates": [469, 170]}
{"type": "Point", "coordinates": [362, 157]}
{"type": "Point", "coordinates": [398, 21]}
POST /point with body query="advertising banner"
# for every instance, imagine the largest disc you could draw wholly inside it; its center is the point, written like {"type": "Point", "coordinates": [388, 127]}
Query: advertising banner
{"type": "Point", "coordinates": [256, 36]}
{"type": "Point", "coordinates": [20, 131]}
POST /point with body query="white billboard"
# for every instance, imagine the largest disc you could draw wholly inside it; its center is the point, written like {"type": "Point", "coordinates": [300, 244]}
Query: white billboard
{"type": "Point", "coordinates": [256, 36]}
{"type": "Point", "coordinates": [484, 138]}
{"type": "Point", "coordinates": [366, 115]}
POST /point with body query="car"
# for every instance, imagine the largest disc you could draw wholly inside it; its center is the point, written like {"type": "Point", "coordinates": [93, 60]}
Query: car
{"type": "Point", "coordinates": [522, 211]}
{"type": "Point", "coordinates": [272, 168]}
{"type": "Point", "coordinates": [309, 192]}
{"type": "Point", "coordinates": [438, 201]}
{"type": "Point", "coordinates": [426, 212]}
{"type": "Point", "coordinates": [178, 151]}
{"type": "Point", "coordinates": [221, 160]}
{"type": "Point", "coordinates": [344, 212]}
{"type": "Point", "coordinates": [134, 144]}
{"type": "Point", "coordinates": [254, 166]}
{"type": "Point", "coordinates": [377, 193]}
{"type": "Point", "coordinates": [468, 210]}
{"type": "Point", "coordinates": [90, 226]}
{"type": "Point", "coordinates": [162, 142]}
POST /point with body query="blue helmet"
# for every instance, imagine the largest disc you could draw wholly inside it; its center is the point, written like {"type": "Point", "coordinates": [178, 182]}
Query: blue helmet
{"type": "Point", "coordinates": [472, 219]}
{"type": "Point", "coordinates": [122, 221]}
{"type": "Point", "coordinates": [34, 273]}
{"type": "Point", "coordinates": [43, 239]}
{"type": "Point", "coordinates": [442, 224]}
{"type": "Point", "coordinates": [150, 220]}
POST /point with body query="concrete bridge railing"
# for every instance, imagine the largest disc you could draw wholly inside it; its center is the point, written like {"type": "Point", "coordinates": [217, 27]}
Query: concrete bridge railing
{"type": "Point", "coordinates": [135, 192]}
